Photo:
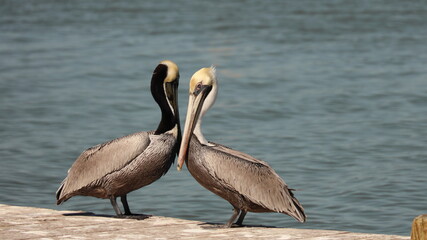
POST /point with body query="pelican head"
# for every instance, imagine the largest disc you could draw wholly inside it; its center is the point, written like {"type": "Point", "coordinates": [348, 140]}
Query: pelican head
{"type": "Point", "coordinates": [164, 88]}
{"type": "Point", "coordinates": [203, 91]}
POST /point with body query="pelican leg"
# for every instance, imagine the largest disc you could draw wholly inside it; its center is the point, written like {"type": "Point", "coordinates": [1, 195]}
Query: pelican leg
{"type": "Point", "coordinates": [125, 204]}
{"type": "Point", "coordinates": [115, 206]}
{"type": "Point", "coordinates": [242, 216]}
{"type": "Point", "coordinates": [236, 212]}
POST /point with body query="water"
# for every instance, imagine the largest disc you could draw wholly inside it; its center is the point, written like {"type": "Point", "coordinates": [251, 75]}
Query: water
{"type": "Point", "coordinates": [332, 94]}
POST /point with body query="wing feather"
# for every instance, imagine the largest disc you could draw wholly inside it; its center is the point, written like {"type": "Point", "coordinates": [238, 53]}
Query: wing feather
{"type": "Point", "coordinates": [254, 179]}
{"type": "Point", "coordinates": [100, 160]}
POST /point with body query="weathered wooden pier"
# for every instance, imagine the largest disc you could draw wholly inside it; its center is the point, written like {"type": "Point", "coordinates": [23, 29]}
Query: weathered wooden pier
{"type": "Point", "coordinates": [38, 223]}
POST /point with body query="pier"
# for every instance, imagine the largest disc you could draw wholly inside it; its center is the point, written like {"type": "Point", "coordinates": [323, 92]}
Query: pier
{"type": "Point", "coordinates": [18, 222]}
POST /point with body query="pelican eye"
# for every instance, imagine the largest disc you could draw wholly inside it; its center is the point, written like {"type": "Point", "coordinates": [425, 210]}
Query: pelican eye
{"type": "Point", "coordinates": [198, 88]}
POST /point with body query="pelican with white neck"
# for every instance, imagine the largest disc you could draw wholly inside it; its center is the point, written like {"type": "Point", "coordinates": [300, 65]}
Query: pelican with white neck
{"type": "Point", "coordinates": [249, 184]}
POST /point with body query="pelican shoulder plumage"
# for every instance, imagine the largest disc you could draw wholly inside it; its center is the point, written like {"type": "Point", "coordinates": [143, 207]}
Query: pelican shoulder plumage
{"type": "Point", "coordinates": [115, 168]}
{"type": "Point", "coordinates": [249, 184]}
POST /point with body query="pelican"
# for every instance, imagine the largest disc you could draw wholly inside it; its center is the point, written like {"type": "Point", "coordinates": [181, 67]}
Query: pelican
{"type": "Point", "coordinates": [249, 184]}
{"type": "Point", "coordinates": [115, 168]}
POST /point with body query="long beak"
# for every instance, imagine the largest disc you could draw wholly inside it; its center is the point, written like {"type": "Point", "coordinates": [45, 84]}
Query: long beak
{"type": "Point", "coordinates": [172, 95]}
{"type": "Point", "coordinates": [195, 103]}
{"type": "Point", "coordinates": [171, 89]}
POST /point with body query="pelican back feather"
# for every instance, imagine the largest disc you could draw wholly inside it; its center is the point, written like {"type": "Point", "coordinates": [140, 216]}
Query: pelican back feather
{"type": "Point", "coordinates": [253, 179]}
{"type": "Point", "coordinates": [101, 160]}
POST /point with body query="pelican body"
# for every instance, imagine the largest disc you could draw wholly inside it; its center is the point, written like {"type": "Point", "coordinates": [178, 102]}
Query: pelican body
{"type": "Point", "coordinates": [115, 168]}
{"type": "Point", "coordinates": [249, 184]}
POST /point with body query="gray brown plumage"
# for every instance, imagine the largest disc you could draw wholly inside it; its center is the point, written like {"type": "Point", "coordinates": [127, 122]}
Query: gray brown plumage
{"type": "Point", "coordinates": [249, 184]}
{"type": "Point", "coordinates": [115, 168]}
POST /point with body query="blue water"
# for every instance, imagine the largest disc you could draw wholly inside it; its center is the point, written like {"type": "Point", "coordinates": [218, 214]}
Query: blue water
{"type": "Point", "coordinates": [333, 94]}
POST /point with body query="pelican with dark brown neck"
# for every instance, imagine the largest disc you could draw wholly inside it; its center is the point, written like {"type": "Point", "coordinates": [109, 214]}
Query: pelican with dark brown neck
{"type": "Point", "coordinates": [118, 167]}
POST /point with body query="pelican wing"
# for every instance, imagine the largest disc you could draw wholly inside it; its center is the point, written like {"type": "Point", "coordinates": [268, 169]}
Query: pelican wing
{"type": "Point", "coordinates": [100, 160]}
{"type": "Point", "coordinates": [255, 180]}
